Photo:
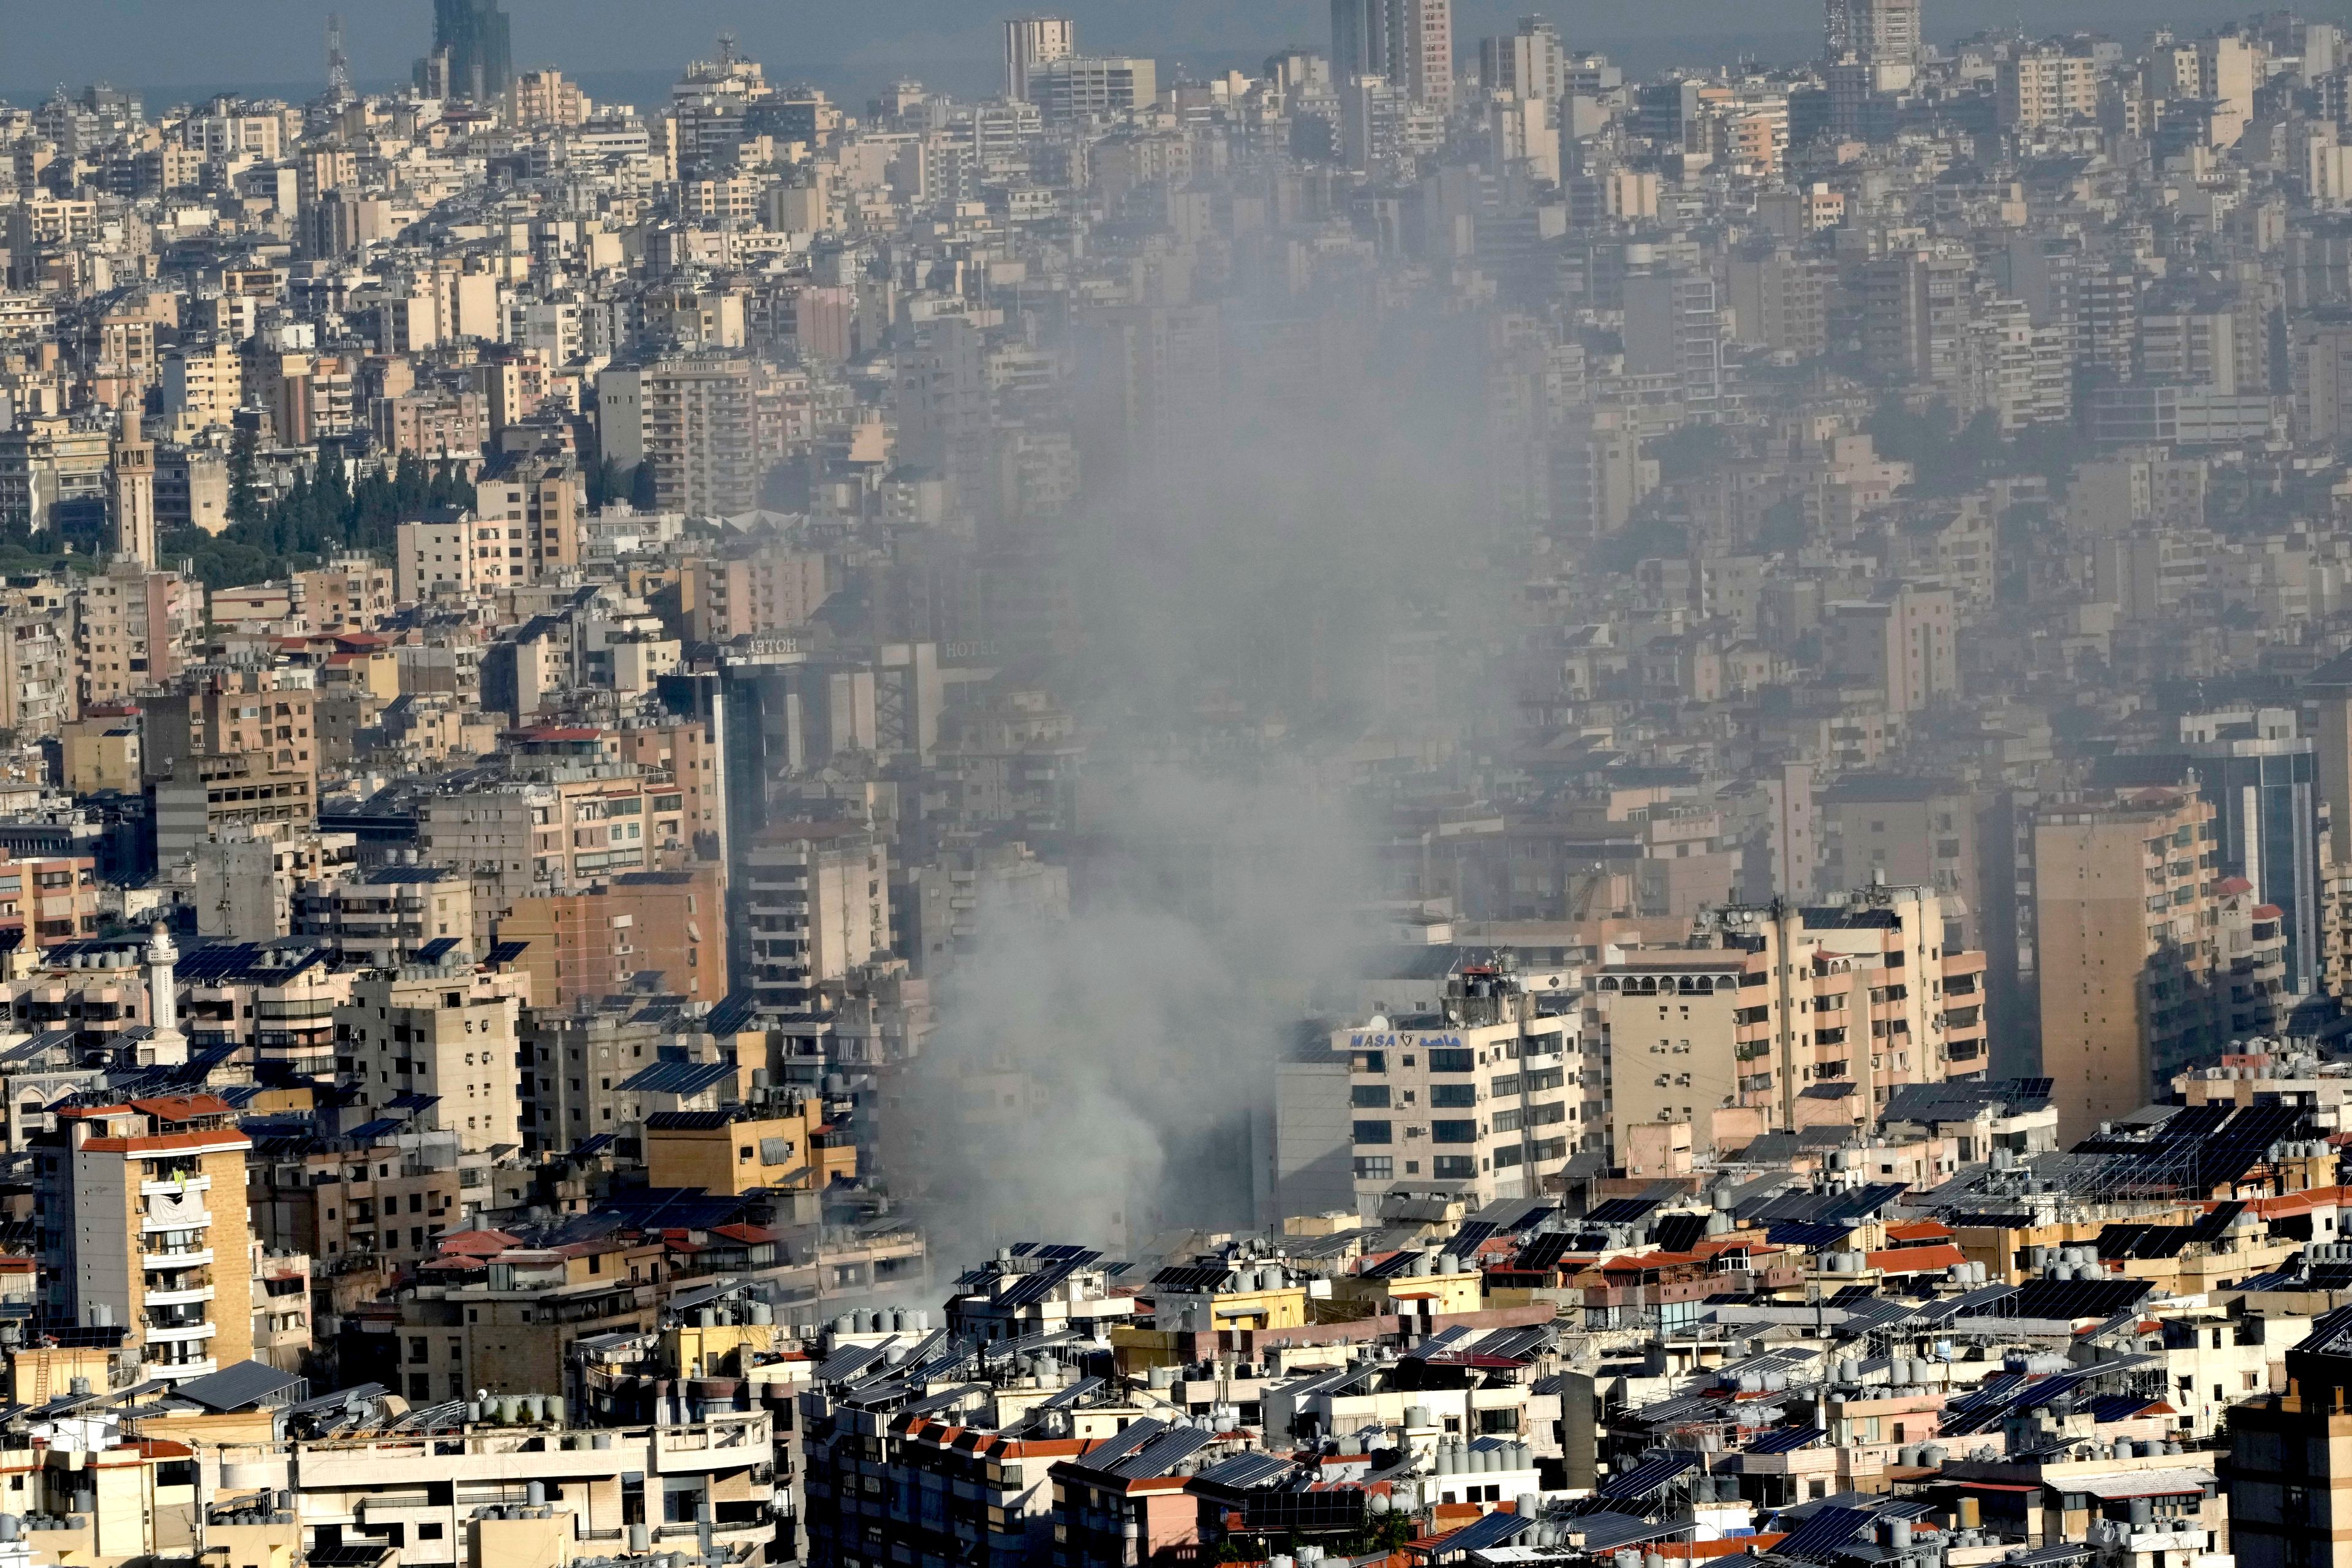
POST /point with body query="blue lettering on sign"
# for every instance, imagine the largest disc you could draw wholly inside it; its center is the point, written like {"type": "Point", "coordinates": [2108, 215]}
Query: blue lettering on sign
{"type": "Point", "coordinates": [1368, 1042]}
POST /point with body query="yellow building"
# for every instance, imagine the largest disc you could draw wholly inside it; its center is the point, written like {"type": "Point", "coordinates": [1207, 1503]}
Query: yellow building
{"type": "Point", "coordinates": [151, 1233]}
{"type": "Point", "coordinates": [1427, 1283]}
{"type": "Point", "coordinates": [780, 1143]}
{"type": "Point", "coordinates": [102, 752]}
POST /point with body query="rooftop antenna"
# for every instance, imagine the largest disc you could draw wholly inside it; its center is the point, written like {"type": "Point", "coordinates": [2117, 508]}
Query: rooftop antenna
{"type": "Point", "coordinates": [339, 64]}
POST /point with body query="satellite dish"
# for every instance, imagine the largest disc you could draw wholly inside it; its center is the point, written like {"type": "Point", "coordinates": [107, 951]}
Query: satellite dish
{"type": "Point", "coordinates": [1380, 1024]}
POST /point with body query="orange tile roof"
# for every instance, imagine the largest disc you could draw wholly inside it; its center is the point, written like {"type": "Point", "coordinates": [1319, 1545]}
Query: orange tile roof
{"type": "Point", "coordinates": [1916, 1260]}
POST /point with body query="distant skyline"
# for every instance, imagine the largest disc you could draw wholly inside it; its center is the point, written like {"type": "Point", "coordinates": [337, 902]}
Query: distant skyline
{"type": "Point", "coordinates": [218, 44]}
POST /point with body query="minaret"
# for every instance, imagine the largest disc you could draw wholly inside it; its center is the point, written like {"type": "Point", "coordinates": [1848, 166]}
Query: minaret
{"type": "Point", "coordinates": [130, 488]}
{"type": "Point", "coordinates": [166, 1046]}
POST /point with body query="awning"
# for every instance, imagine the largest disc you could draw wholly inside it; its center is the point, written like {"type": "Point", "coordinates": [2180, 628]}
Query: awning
{"type": "Point", "coordinates": [2121, 1484]}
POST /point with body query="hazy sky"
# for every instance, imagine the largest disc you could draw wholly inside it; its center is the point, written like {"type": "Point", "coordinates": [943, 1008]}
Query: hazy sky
{"type": "Point", "coordinates": [158, 44]}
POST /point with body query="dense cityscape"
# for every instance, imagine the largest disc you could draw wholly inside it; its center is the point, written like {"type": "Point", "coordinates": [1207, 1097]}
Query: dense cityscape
{"type": "Point", "coordinates": [1445, 806]}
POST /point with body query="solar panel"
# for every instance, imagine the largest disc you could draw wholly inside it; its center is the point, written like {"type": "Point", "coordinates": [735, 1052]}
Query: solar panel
{"type": "Point", "coordinates": [848, 1361]}
{"type": "Point", "coordinates": [1126, 1441]}
{"type": "Point", "coordinates": [1994, 1391]}
{"type": "Point", "coordinates": [2049, 1388]}
{"type": "Point", "coordinates": [1389, 1268]}
{"type": "Point", "coordinates": [1545, 1251]}
{"type": "Point", "coordinates": [947, 1399]}
{"type": "Point", "coordinates": [1474, 1234]}
{"type": "Point", "coordinates": [1191, 1281]}
{"type": "Point", "coordinates": [1245, 1471]}
{"type": "Point", "coordinates": [1492, 1529]}
{"type": "Point", "coordinates": [1512, 1344]}
{"type": "Point", "coordinates": [2216, 1224]}
{"type": "Point", "coordinates": [1786, 1440]}
{"type": "Point", "coordinates": [2243, 1141]}
{"type": "Point", "coordinates": [1667, 1412]}
{"type": "Point", "coordinates": [1969, 1304]}
{"type": "Point", "coordinates": [1621, 1211]}
{"type": "Point", "coordinates": [2276, 1280]}
{"type": "Point", "coordinates": [1647, 1477]}
{"type": "Point", "coordinates": [1163, 1454]}
{"type": "Point", "coordinates": [2110, 1407]}
{"type": "Point", "coordinates": [1601, 1532]}
{"type": "Point", "coordinates": [1680, 1232]}
{"type": "Point", "coordinates": [1036, 1287]}
{"type": "Point", "coordinates": [1820, 1538]}
{"type": "Point", "coordinates": [2122, 1240]}
{"type": "Point", "coordinates": [678, 1077]}
{"type": "Point", "coordinates": [1450, 1339]}
{"type": "Point", "coordinates": [2064, 1300]}
{"type": "Point", "coordinates": [1810, 1236]}
{"type": "Point", "coordinates": [1861, 1317]}
{"type": "Point", "coordinates": [1863, 1202]}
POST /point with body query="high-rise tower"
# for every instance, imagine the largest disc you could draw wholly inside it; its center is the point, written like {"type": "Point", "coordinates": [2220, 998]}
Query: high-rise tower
{"type": "Point", "coordinates": [1034, 41]}
{"type": "Point", "coordinates": [1873, 32]}
{"type": "Point", "coordinates": [1409, 42]}
{"type": "Point", "coordinates": [480, 45]}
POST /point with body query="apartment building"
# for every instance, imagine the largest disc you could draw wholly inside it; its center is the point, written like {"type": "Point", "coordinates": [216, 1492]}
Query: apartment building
{"type": "Point", "coordinates": [529, 839]}
{"type": "Point", "coordinates": [434, 557]}
{"type": "Point", "coordinates": [691, 418]}
{"type": "Point", "coordinates": [780, 1142]}
{"type": "Point", "coordinates": [1908, 832]}
{"type": "Point", "coordinates": [527, 512]}
{"type": "Point", "coordinates": [389, 916]}
{"type": "Point", "coordinates": [276, 999]}
{"type": "Point", "coordinates": [208, 795]}
{"type": "Point", "coordinates": [434, 1494]}
{"type": "Point", "coordinates": [202, 384]}
{"type": "Point", "coordinates": [143, 1225]}
{"type": "Point", "coordinates": [128, 627]}
{"type": "Point", "coordinates": [1471, 1099]}
{"type": "Point", "coordinates": [437, 1039]}
{"type": "Point", "coordinates": [269, 716]}
{"type": "Point", "coordinates": [772, 590]}
{"type": "Point", "coordinates": [2044, 86]}
{"type": "Point", "coordinates": [496, 1310]}
{"type": "Point", "coordinates": [658, 931]}
{"type": "Point", "coordinates": [2124, 890]}
{"type": "Point", "coordinates": [1841, 1004]}
{"type": "Point", "coordinates": [1903, 645]}
{"type": "Point", "coordinates": [814, 903]}
{"type": "Point", "coordinates": [584, 1072]}
{"type": "Point", "coordinates": [355, 1198]}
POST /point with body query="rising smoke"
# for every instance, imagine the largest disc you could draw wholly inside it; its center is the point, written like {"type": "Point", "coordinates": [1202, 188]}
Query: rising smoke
{"type": "Point", "coordinates": [1271, 623]}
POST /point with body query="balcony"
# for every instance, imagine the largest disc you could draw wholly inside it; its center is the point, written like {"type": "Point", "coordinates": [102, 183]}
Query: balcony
{"type": "Point", "coordinates": [193, 1295]}
{"type": "Point", "coordinates": [204, 1367]}
{"type": "Point", "coordinates": [176, 1187]}
{"type": "Point", "coordinates": [176, 1257]}
{"type": "Point", "coordinates": [180, 1333]}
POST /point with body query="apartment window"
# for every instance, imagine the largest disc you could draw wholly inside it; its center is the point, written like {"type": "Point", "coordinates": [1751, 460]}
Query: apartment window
{"type": "Point", "coordinates": [1458, 1096]}
{"type": "Point", "coordinates": [1375, 1168]}
{"type": "Point", "coordinates": [1453, 1061]}
{"type": "Point", "coordinates": [1454, 1132]}
{"type": "Point", "coordinates": [1369, 1096]}
{"type": "Point", "coordinates": [1375, 1132]}
{"type": "Point", "coordinates": [1453, 1167]}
